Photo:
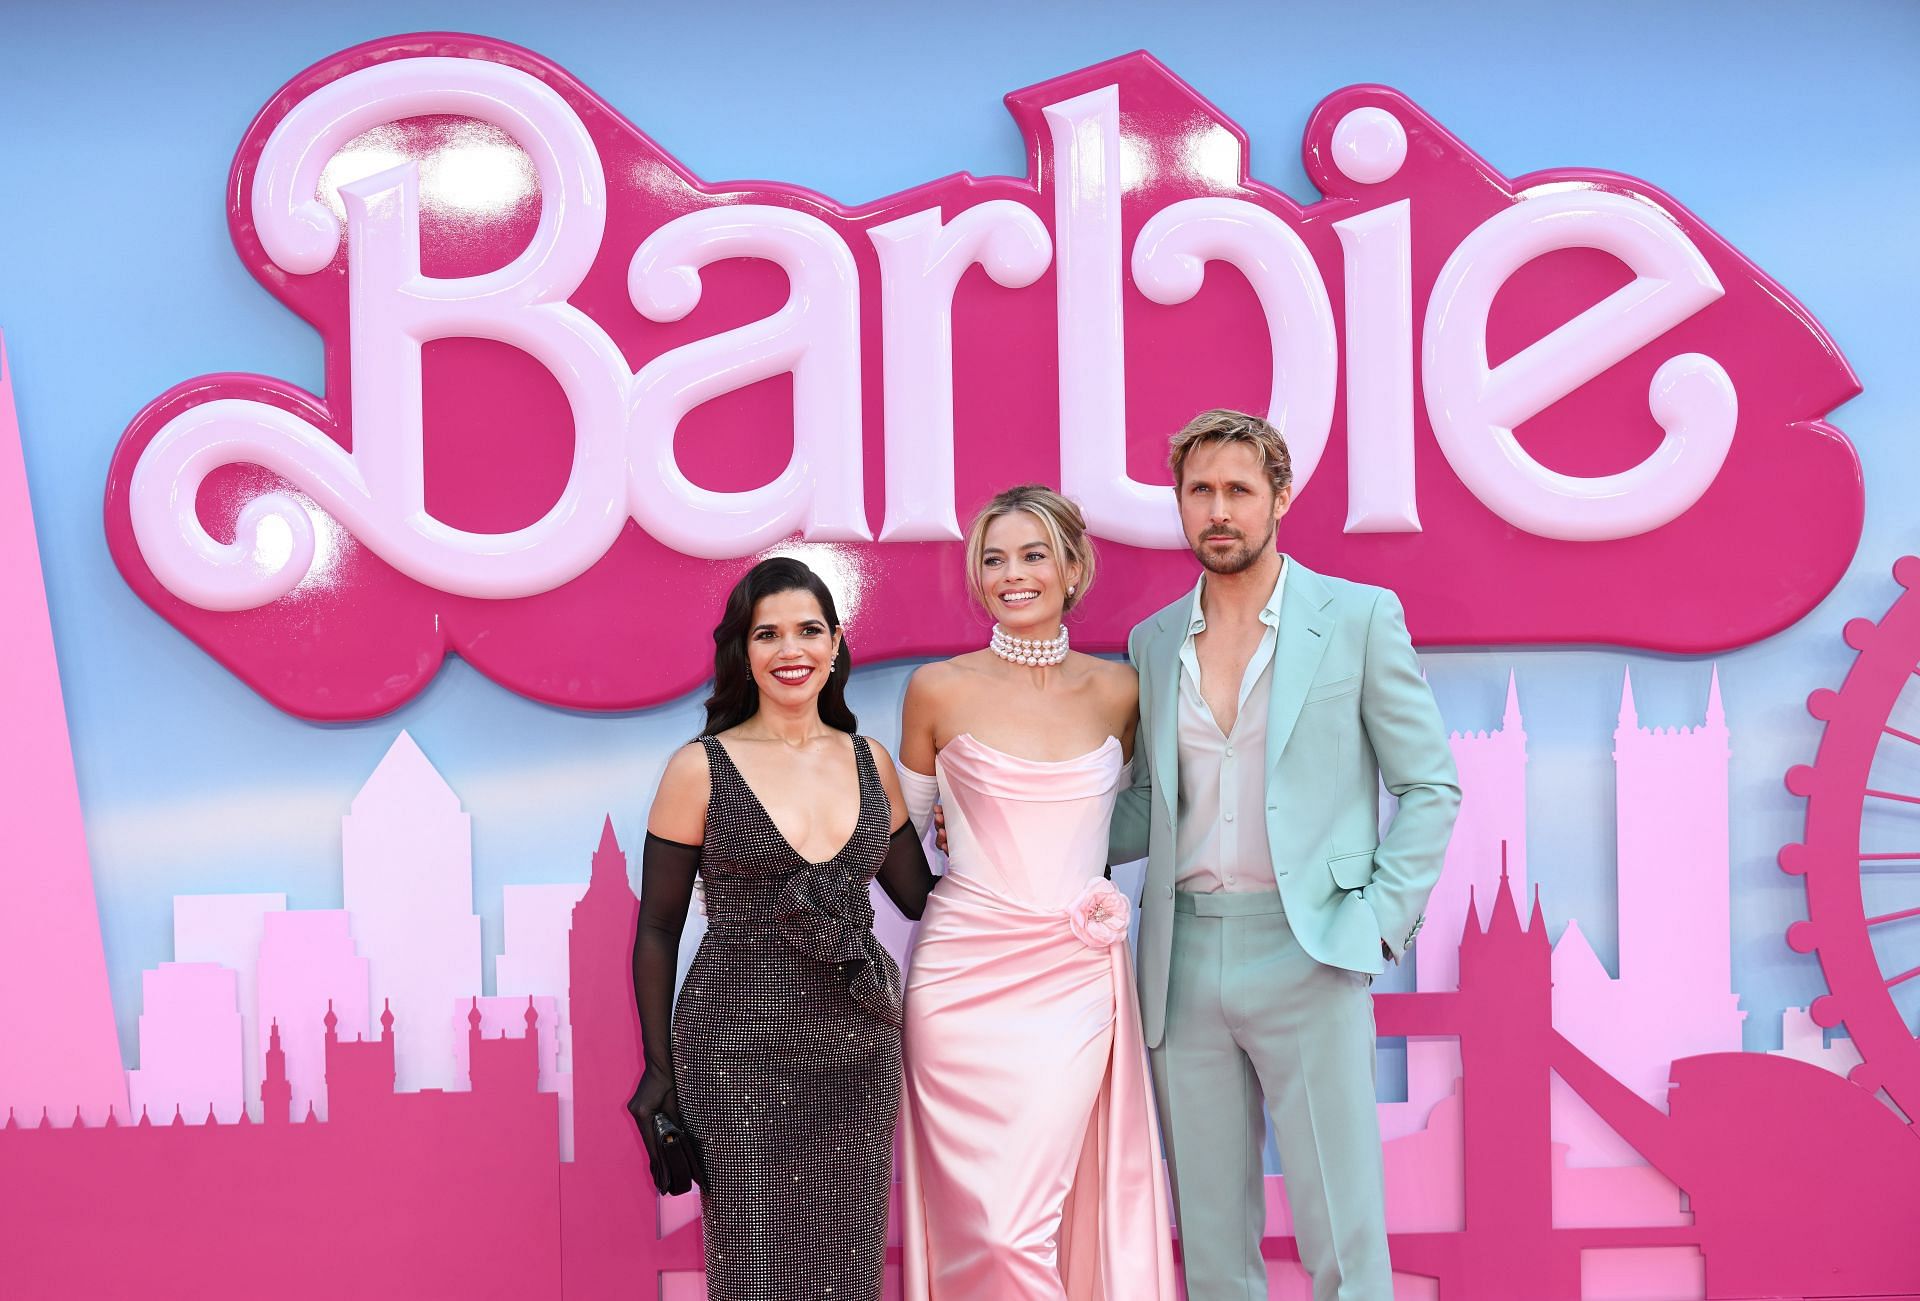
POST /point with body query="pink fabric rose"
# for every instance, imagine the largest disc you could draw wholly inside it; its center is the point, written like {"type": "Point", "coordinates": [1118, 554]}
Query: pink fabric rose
{"type": "Point", "coordinates": [1100, 914]}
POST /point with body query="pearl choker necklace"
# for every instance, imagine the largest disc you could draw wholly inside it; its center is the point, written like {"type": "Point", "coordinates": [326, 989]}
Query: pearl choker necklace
{"type": "Point", "coordinates": [1022, 650]}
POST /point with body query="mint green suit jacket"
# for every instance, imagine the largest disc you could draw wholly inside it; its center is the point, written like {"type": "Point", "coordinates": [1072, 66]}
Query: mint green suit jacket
{"type": "Point", "coordinates": [1348, 710]}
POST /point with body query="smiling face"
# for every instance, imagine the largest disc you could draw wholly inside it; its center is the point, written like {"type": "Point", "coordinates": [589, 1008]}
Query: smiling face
{"type": "Point", "coordinates": [790, 647]}
{"type": "Point", "coordinates": [1228, 507]}
{"type": "Point", "coordinates": [1023, 582]}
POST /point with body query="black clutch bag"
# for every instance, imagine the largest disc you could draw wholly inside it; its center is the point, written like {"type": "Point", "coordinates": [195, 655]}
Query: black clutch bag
{"type": "Point", "coordinates": [670, 1136]}
{"type": "Point", "coordinates": [671, 1141]}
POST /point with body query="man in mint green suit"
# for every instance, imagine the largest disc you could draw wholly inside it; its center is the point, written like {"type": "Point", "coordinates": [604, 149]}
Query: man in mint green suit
{"type": "Point", "coordinates": [1274, 702]}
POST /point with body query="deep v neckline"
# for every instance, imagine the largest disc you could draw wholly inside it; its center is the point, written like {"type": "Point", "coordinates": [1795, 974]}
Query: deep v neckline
{"type": "Point", "coordinates": [860, 786]}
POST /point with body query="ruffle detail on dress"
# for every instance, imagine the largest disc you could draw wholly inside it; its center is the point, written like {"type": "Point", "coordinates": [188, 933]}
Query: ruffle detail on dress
{"type": "Point", "coordinates": [826, 913]}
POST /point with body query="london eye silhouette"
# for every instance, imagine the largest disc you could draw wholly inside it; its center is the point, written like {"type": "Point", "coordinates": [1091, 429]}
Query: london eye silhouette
{"type": "Point", "coordinates": [1847, 789]}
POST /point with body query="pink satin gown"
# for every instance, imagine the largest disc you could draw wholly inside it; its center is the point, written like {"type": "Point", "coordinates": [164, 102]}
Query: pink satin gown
{"type": "Point", "coordinates": [1032, 1151]}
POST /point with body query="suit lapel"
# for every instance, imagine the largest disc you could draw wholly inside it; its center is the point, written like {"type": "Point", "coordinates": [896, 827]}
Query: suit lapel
{"type": "Point", "coordinates": [1304, 625]}
{"type": "Point", "coordinates": [1171, 632]}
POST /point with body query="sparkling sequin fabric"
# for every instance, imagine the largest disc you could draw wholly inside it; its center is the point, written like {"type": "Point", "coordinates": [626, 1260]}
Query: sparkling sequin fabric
{"type": "Point", "coordinates": [786, 1047]}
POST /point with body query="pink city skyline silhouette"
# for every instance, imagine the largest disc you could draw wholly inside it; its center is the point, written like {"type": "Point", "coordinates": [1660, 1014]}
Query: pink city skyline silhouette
{"type": "Point", "coordinates": [1567, 1133]}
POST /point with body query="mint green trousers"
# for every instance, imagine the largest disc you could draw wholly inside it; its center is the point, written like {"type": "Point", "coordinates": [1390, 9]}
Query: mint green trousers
{"type": "Point", "coordinates": [1252, 1018]}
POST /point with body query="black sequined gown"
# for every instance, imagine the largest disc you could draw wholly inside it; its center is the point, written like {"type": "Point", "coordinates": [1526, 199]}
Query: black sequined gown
{"type": "Point", "coordinates": [786, 1048]}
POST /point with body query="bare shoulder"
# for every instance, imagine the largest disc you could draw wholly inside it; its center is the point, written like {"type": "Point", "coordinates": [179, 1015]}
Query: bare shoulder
{"type": "Point", "coordinates": [679, 809]}
{"type": "Point", "coordinates": [687, 775]}
{"type": "Point", "coordinates": [942, 678]}
{"type": "Point", "coordinates": [889, 782]}
{"type": "Point", "coordinates": [882, 760]}
{"type": "Point", "coordinates": [1115, 680]}
{"type": "Point", "coordinates": [688, 763]}
{"type": "Point", "coordinates": [968, 663]}
{"type": "Point", "coordinates": [929, 677]}
{"type": "Point", "coordinates": [934, 680]}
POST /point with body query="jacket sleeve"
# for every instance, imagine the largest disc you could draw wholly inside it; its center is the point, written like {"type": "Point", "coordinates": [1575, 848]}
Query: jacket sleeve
{"type": "Point", "coordinates": [1416, 764]}
{"type": "Point", "coordinates": [1132, 811]}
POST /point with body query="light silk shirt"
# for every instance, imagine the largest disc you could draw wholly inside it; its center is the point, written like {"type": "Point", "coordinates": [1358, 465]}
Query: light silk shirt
{"type": "Point", "coordinates": [1221, 841]}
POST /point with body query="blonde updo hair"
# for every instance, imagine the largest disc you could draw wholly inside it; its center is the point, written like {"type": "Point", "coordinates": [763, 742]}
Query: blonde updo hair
{"type": "Point", "coordinates": [1066, 530]}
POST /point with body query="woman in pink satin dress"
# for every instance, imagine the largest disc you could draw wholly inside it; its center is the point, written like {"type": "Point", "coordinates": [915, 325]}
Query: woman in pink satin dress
{"type": "Point", "coordinates": [1032, 1151]}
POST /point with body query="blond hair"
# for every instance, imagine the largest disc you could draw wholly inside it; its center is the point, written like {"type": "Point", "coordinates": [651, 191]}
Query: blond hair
{"type": "Point", "coordinates": [1066, 530]}
{"type": "Point", "coordinates": [1223, 426]}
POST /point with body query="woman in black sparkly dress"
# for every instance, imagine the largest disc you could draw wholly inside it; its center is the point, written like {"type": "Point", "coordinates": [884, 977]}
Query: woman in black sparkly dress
{"type": "Point", "coordinates": [778, 1086]}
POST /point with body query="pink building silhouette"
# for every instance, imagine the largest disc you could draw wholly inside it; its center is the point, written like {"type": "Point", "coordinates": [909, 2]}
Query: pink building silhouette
{"type": "Point", "coordinates": [1760, 1144]}
{"type": "Point", "coordinates": [615, 1235]}
{"type": "Point", "coordinates": [533, 962]}
{"type": "Point", "coordinates": [398, 1196]}
{"type": "Point", "coordinates": [407, 883]}
{"type": "Point", "coordinates": [1802, 1039]}
{"type": "Point", "coordinates": [296, 966]}
{"type": "Point", "coordinates": [190, 1044]}
{"type": "Point", "coordinates": [1493, 815]}
{"type": "Point", "coordinates": [308, 970]}
{"type": "Point", "coordinates": [412, 1194]}
{"type": "Point", "coordinates": [1674, 996]}
{"type": "Point", "coordinates": [227, 929]}
{"type": "Point", "coordinates": [506, 1017]}
{"type": "Point", "coordinates": [535, 922]}
{"type": "Point", "coordinates": [58, 1049]}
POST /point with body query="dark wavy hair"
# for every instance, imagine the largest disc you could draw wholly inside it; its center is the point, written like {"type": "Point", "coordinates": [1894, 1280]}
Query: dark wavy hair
{"type": "Point", "coordinates": [736, 696]}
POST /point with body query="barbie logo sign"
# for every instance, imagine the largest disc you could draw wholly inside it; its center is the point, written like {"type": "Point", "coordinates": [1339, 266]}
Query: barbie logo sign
{"type": "Point", "coordinates": [571, 389]}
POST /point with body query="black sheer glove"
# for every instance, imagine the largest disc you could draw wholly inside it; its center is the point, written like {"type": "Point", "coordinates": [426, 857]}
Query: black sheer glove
{"type": "Point", "coordinates": [904, 873]}
{"type": "Point", "coordinates": [667, 873]}
{"type": "Point", "coordinates": [671, 1157]}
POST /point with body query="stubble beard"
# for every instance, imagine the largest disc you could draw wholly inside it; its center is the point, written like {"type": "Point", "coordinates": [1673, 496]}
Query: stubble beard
{"type": "Point", "coordinates": [1233, 562]}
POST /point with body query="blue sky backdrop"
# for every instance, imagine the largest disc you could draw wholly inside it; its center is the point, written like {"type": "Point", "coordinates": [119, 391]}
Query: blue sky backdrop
{"type": "Point", "coordinates": [1789, 128]}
